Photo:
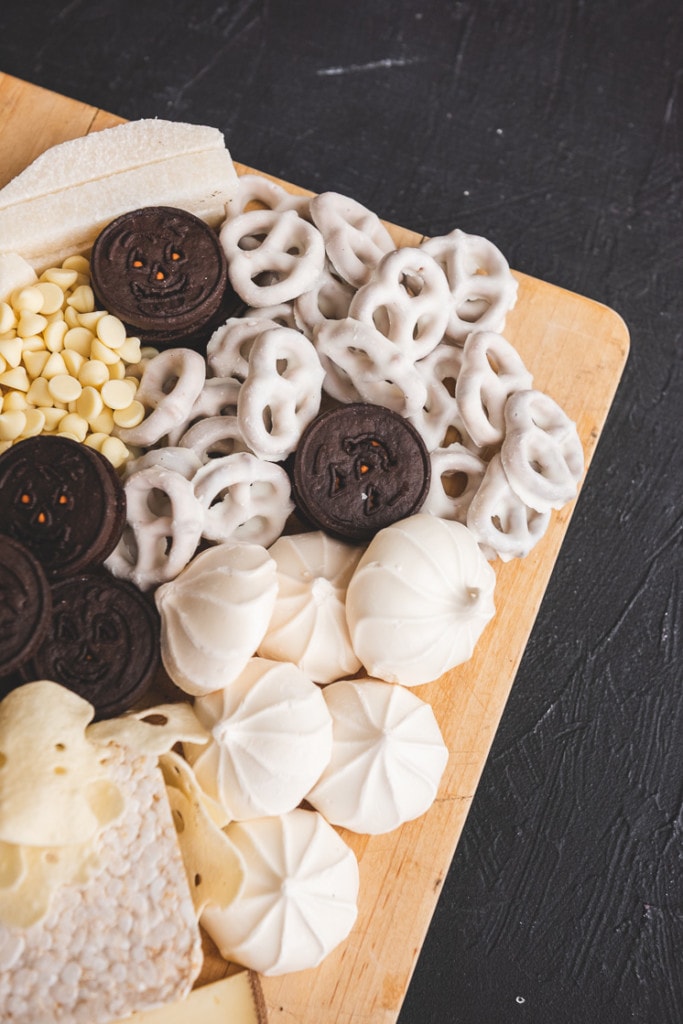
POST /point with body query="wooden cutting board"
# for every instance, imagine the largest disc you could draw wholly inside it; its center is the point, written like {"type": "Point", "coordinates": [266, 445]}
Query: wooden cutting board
{"type": "Point", "coordinates": [576, 350]}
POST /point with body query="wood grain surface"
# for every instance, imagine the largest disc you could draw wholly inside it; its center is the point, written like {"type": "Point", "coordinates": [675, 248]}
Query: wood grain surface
{"type": "Point", "coordinates": [576, 349]}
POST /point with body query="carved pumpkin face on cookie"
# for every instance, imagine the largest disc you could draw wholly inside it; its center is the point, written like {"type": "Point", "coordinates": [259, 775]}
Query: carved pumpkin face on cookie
{"type": "Point", "coordinates": [358, 469]}
{"type": "Point", "coordinates": [62, 501]}
{"type": "Point", "coordinates": [103, 642]}
{"type": "Point", "coordinates": [159, 269]}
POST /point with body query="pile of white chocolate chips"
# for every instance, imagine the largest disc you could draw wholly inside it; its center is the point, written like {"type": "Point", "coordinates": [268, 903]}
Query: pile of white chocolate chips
{"type": "Point", "coordinates": [298, 652]}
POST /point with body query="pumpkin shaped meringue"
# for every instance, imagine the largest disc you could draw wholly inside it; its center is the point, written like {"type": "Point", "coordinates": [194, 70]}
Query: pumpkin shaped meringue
{"type": "Point", "coordinates": [419, 600]}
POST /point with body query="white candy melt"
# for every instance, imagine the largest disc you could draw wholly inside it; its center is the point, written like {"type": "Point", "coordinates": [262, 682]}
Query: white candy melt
{"type": "Point", "coordinates": [214, 615]}
{"type": "Point", "coordinates": [388, 757]}
{"type": "Point", "coordinates": [419, 600]}
{"type": "Point", "coordinates": [299, 898]}
{"type": "Point", "coordinates": [271, 737]}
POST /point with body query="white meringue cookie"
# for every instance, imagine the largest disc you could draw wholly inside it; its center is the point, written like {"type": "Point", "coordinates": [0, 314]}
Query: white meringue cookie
{"type": "Point", "coordinates": [308, 626]}
{"type": "Point", "coordinates": [271, 737]}
{"type": "Point", "coordinates": [388, 757]}
{"type": "Point", "coordinates": [214, 615]}
{"type": "Point", "coordinates": [299, 898]}
{"type": "Point", "coordinates": [419, 599]}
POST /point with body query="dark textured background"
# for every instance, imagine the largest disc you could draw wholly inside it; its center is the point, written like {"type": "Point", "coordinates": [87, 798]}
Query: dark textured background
{"type": "Point", "coordinates": [555, 129]}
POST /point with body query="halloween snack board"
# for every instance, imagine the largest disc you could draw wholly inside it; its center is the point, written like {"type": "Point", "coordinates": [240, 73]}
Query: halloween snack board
{"type": "Point", "coordinates": [576, 350]}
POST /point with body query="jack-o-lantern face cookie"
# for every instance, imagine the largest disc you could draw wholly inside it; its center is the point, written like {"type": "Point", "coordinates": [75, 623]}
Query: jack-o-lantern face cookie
{"type": "Point", "coordinates": [102, 642]}
{"type": "Point", "coordinates": [25, 605]}
{"type": "Point", "coordinates": [63, 500]}
{"type": "Point", "coordinates": [161, 270]}
{"type": "Point", "coordinates": [359, 468]}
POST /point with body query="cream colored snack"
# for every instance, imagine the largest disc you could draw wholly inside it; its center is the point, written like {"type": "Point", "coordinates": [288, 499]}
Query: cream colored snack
{"type": "Point", "coordinates": [215, 614]}
{"type": "Point", "coordinates": [271, 737]}
{"type": "Point", "coordinates": [483, 289]}
{"type": "Point", "coordinates": [299, 899]}
{"type": "Point", "coordinates": [542, 454]}
{"type": "Point", "coordinates": [287, 260]}
{"type": "Point", "coordinates": [355, 237]}
{"type": "Point", "coordinates": [243, 498]}
{"type": "Point", "coordinates": [117, 931]}
{"type": "Point", "coordinates": [419, 600]}
{"type": "Point", "coordinates": [504, 526]}
{"type": "Point", "coordinates": [491, 371]}
{"type": "Point", "coordinates": [60, 203]}
{"type": "Point", "coordinates": [308, 625]}
{"type": "Point", "coordinates": [388, 757]}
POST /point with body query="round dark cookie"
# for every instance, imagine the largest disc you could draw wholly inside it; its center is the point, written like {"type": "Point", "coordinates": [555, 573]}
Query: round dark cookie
{"type": "Point", "coordinates": [160, 270]}
{"type": "Point", "coordinates": [63, 500]}
{"type": "Point", "coordinates": [25, 606]}
{"type": "Point", "coordinates": [102, 642]}
{"type": "Point", "coordinates": [359, 468]}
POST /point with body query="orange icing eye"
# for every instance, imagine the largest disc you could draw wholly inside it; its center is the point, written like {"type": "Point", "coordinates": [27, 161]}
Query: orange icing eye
{"type": "Point", "coordinates": [25, 499]}
{"type": "Point", "coordinates": [41, 517]}
{"type": "Point", "coordinates": [175, 255]}
{"type": "Point", "coordinates": [364, 467]}
{"type": "Point", "coordinates": [137, 263]}
{"type": "Point", "coordinates": [159, 275]}
{"type": "Point", "coordinates": [62, 499]}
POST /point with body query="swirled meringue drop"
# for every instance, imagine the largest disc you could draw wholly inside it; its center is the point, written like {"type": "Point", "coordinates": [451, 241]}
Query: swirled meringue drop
{"type": "Point", "coordinates": [308, 626]}
{"type": "Point", "coordinates": [214, 615]}
{"type": "Point", "coordinates": [419, 599]}
{"type": "Point", "coordinates": [388, 757]}
{"type": "Point", "coordinates": [299, 897]}
{"type": "Point", "coordinates": [271, 737]}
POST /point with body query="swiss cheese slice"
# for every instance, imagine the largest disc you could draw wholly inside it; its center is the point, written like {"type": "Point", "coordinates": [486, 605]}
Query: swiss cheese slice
{"type": "Point", "coordinates": [236, 999]}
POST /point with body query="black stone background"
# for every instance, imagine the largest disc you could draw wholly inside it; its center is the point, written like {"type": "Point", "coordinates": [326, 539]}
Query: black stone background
{"type": "Point", "coordinates": [555, 129]}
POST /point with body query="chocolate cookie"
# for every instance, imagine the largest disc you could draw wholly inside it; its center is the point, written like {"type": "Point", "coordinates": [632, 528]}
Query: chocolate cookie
{"type": "Point", "coordinates": [63, 501]}
{"type": "Point", "coordinates": [359, 468]}
{"type": "Point", "coordinates": [102, 642]}
{"type": "Point", "coordinates": [25, 605]}
{"type": "Point", "coordinates": [162, 271]}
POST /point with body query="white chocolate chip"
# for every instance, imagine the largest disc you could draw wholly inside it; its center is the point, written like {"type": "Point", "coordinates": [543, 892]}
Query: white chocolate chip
{"type": "Point", "coordinates": [111, 331]}
{"type": "Point", "coordinates": [64, 388]}
{"type": "Point", "coordinates": [74, 425]}
{"type": "Point", "coordinates": [80, 339]}
{"type": "Point", "coordinates": [15, 378]}
{"type": "Point", "coordinates": [94, 373]}
{"type": "Point", "coordinates": [54, 335]}
{"type": "Point", "coordinates": [10, 351]}
{"type": "Point", "coordinates": [118, 394]}
{"type": "Point", "coordinates": [64, 278]}
{"type": "Point", "coordinates": [82, 299]}
{"type": "Point", "coordinates": [53, 297]}
{"type": "Point", "coordinates": [131, 416]}
{"type": "Point", "coordinates": [12, 425]}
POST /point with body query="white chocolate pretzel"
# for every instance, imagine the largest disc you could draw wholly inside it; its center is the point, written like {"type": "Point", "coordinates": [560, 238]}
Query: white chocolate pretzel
{"type": "Point", "coordinates": [491, 371]}
{"type": "Point", "coordinates": [482, 287]}
{"type": "Point", "coordinates": [457, 474]}
{"type": "Point", "coordinates": [281, 393]}
{"type": "Point", "coordinates": [407, 299]}
{"type": "Point", "coordinates": [355, 238]}
{"type": "Point", "coordinates": [171, 383]}
{"type": "Point", "coordinates": [439, 420]}
{"type": "Point", "coordinates": [257, 191]}
{"type": "Point", "coordinates": [329, 299]}
{"type": "Point", "coordinates": [504, 526]}
{"type": "Point", "coordinates": [361, 365]}
{"type": "Point", "coordinates": [218, 397]}
{"type": "Point", "coordinates": [541, 454]}
{"type": "Point", "coordinates": [272, 256]}
{"type": "Point", "coordinates": [243, 498]}
{"type": "Point", "coordinates": [227, 352]}
{"type": "Point", "coordinates": [163, 528]}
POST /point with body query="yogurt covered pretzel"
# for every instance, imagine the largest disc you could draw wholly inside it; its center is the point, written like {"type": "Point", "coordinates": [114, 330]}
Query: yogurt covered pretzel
{"type": "Point", "coordinates": [439, 420]}
{"type": "Point", "coordinates": [170, 385]}
{"type": "Point", "coordinates": [541, 454]}
{"type": "Point", "coordinates": [254, 189]}
{"type": "Point", "coordinates": [227, 352]}
{"type": "Point", "coordinates": [213, 436]}
{"type": "Point", "coordinates": [218, 397]}
{"type": "Point", "coordinates": [503, 524]}
{"type": "Point", "coordinates": [482, 287]}
{"type": "Point", "coordinates": [457, 474]}
{"type": "Point", "coordinates": [361, 365]}
{"type": "Point", "coordinates": [243, 498]}
{"type": "Point", "coordinates": [491, 371]}
{"type": "Point", "coordinates": [281, 393]}
{"type": "Point", "coordinates": [355, 238]}
{"type": "Point", "coordinates": [329, 299]}
{"type": "Point", "coordinates": [164, 526]}
{"type": "Point", "coordinates": [272, 255]}
{"type": "Point", "coordinates": [407, 299]}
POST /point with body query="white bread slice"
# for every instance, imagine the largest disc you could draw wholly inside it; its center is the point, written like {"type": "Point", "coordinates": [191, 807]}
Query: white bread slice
{"type": "Point", "coordinates": [58, 205]}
